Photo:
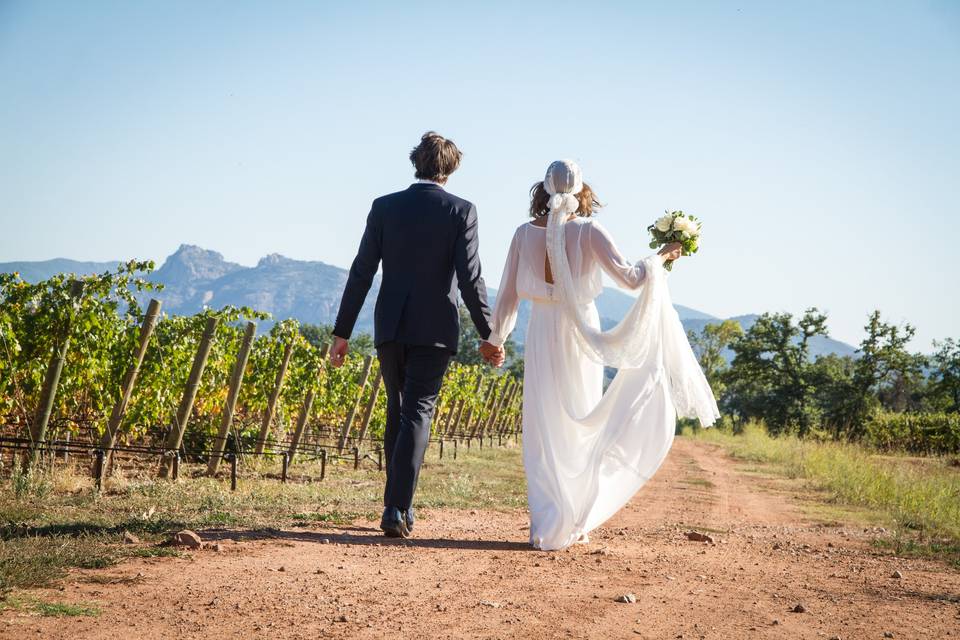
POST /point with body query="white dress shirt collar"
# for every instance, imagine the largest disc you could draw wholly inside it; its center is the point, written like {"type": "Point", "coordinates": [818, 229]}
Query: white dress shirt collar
{"type": "Point", "coordinates": [421, 181]}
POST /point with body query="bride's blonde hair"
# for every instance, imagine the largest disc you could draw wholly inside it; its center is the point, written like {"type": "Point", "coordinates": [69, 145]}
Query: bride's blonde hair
{"type": "Point", "coordinates": [539, 199]}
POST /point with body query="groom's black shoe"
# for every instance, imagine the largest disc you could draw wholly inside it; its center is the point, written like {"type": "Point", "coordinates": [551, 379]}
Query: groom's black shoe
{"type": "Point", "coordinates": [393, 523]}
{"type": "Point", "coordinates": [408, 518]}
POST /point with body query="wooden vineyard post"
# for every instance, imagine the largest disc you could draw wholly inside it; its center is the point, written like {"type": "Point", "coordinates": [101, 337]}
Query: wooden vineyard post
{"type": "Point", "coordinates": [471, 426]}
{"type": "Point", "coordinates": [274, 397]}
{"type": "Point", "coordinates": [310, 437]}
{"type": "Point", "coordinates": [504, 405]}
{"type": "Point", "coordinates": [98, 469]}
{"type": "Point", "coordinates": [460, 406]}
{"type": "Point", "coordinates": [513, 403]}
{"type": "Point", "coordinates": [345, 429]}
{"type": "Point", "coordinates": [490, 426]}
{"type": "Point", "coordinates": [368, 410]}
{"type": "Point", "coordinates": [450, 423]}
{"type": "Point", "coordinates": [470, 412]}
{"type": "Point", "coordinates": [517, 420]}
{"type": "Point", "coordinates": [236, 380]}
{"type": "Point", "coordinates": [305, 412]}
{"type": "Point", "coordinates": [445, 430]}
{"type": "Point", "coordinates": [481, 414]}
{"type": "Point", "coordinates": [109, 438]}
{"type": "Point", "coordinates": [458, 410]}
{"type": "Point", "coordinates": [435, 425]}
{"type": "Point", "coordinates": [48, 393]}
{"type": "Point", "coordinates": [232, 459]}
{"type": "Point", "coordinates": [487, 410]}
{"type": "Point", "coordinates": [301, 423]}
{"type": "Point", "coordinates": [515, 406]}
{"type": "Point", "coordinates": [175, 436]}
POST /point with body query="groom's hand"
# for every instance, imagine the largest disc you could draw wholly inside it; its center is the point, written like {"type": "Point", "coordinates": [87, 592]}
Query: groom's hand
{"type": "Point", "coordinates": [494, 356]}
{"type": "Point", "coordinates": [338, 352]}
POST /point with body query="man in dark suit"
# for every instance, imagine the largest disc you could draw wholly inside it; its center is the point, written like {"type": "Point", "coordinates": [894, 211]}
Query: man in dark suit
{"type": "Point", "coordinates": [426, 239]}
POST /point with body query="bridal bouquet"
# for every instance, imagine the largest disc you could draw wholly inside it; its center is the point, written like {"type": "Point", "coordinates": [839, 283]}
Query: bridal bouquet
{"type": "Point", "coordinates": [675, 226]}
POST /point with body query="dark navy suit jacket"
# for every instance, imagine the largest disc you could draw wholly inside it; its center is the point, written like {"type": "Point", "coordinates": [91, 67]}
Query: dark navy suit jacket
{"type": "Point", "coordinates": [427, 241]}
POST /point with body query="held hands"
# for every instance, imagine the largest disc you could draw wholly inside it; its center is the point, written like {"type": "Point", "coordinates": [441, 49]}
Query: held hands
{"type": "Point", "coordinates": [338, 352]}
{"type": "Point", "coordinates": [671, 252]}
{"type": "Point", "coordinates": [494, 356]}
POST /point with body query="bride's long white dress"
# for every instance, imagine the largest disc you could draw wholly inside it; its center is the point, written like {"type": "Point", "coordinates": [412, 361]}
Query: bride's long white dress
{"type": "Point", "coordinates": [586, 452]}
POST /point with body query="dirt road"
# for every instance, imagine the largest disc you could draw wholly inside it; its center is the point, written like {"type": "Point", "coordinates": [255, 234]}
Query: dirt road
{"type": "Point", "coordinates": [471, 575]}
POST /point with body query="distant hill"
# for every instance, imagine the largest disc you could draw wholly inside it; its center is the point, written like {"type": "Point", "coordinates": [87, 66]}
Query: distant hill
{"type": "Point", "coordinates": [310, 291]}
{"type": "Point", "coordinates": [36, 271]}
{"type": "Point", "coordinates": [306, 290]}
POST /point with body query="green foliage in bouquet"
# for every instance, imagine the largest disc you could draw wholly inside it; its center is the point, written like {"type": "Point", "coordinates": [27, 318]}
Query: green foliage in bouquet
{"type": "Point", "coordinates": [676, 226]}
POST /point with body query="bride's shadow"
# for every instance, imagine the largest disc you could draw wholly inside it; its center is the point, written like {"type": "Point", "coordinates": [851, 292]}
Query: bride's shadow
{"type": "Point", "coordinates": [360, 536]}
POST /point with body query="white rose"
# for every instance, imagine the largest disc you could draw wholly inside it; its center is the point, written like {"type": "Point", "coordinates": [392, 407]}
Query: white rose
{"type": "Point", "coordinates": [688, 227]}
{"type": "Point", "coordinates": [663, 224]}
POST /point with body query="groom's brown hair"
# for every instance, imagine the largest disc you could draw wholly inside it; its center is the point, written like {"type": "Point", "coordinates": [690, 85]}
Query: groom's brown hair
{"type": "Point", "coordinates": [435, 158]}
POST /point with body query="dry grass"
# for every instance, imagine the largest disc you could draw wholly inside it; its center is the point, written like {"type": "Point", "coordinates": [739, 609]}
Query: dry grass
{"type": "Point", "coordinates": [918, 498]}
{"type": "Point", "coordinates": [54, 520]}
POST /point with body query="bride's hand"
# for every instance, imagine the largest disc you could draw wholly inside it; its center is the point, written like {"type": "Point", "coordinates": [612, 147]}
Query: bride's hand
{"type": "Point", "coordinates": [494, 356]}
{"type": "Point", "coordinates": [670, 252]}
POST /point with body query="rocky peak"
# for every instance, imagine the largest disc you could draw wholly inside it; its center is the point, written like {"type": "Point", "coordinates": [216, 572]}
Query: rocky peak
{"type": "Point", "coordinates": [192, 263]}
{"type": "Point", "coordinates": [274, 260]}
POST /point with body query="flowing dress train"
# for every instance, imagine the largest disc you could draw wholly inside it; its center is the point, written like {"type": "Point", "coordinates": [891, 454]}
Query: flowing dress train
{"type": "Point", "coordinates": [586, 452]}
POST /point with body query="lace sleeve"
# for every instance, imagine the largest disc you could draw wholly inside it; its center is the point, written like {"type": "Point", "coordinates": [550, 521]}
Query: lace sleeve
{"type": "Point", "coordinates": [508, 299]}
{"type": "Point", "coordinates": [625, 274]}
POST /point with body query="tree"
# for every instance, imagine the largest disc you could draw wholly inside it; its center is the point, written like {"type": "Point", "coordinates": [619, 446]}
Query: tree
{"type": "Point", "coordinates": [883, 359]}
{"type": "Point", "coordinates": [832, 377]}
{"type": "Point", "coordinates": [771, 376]}
{"type": "Point", "coordinates": [945, 382]}
{"type": "Point", "coordinates": [468, 351]}
{"type": "Point", "coordinates": [709, 345]}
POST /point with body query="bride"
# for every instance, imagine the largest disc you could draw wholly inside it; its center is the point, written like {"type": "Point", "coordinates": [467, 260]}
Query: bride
{"type": "Point", "coordinates": [586, 452]}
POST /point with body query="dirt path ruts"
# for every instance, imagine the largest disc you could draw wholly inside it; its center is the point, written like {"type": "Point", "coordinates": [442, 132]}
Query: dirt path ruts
{"type": "Point", "coordinates": [471, 575]}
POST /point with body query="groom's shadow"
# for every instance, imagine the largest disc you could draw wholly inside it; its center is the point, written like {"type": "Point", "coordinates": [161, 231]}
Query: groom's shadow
{"type": "Point", "coordinates": [360, 536]}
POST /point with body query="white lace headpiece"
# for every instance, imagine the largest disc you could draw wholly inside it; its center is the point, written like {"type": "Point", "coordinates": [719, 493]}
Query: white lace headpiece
{"type": "Point", "coordinates": [563, 181]}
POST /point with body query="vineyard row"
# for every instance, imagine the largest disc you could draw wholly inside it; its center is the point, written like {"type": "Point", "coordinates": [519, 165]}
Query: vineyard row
{"type": "Point", "coordinates": [204, 388]}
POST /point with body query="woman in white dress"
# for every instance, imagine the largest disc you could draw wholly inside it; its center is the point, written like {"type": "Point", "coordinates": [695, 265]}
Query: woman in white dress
{"type": "Point", "coordinates": [586, 452]}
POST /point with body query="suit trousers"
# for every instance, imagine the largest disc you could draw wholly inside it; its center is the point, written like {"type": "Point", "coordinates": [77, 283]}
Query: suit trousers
{"type": "Point", "coordinates": [412, 376]}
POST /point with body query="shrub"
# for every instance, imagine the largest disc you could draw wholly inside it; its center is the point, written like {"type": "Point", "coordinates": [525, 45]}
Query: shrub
{"type": "Point", "coordinates": [931, 433]}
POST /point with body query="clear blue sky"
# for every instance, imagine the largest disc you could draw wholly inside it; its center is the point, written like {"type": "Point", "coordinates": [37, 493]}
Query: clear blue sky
{"type": "Point", "coordinates": [819, 141]}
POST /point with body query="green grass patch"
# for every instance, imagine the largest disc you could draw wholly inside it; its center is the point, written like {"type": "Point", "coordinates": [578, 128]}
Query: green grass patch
{"type": "Point", "coordinates": [697, 482]}
{"type": "Point", "coordinates": [48, 609]}
{"type": "Point", "coordinates": [99, 578]}
{"type": "Point", "coordinates": [63, 609]}
{"type": "Point", "coordinates": [153, 552]}
{"type": "Point", "coordinates": [329, 517]}
{"type": "Point", "coordinates": [915, 548]}
{"type": "Point", "coordinates": [919, 497]}
{"type": "Point", "coordinates": [39, 561]}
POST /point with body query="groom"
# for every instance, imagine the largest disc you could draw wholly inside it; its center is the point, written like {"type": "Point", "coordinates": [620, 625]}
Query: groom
{"type": "Point", "coordinates": [426, 239]}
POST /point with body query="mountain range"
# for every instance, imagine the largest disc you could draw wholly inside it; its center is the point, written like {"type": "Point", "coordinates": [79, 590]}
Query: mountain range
{"type": "Point", "coordinates": [310, 291]}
